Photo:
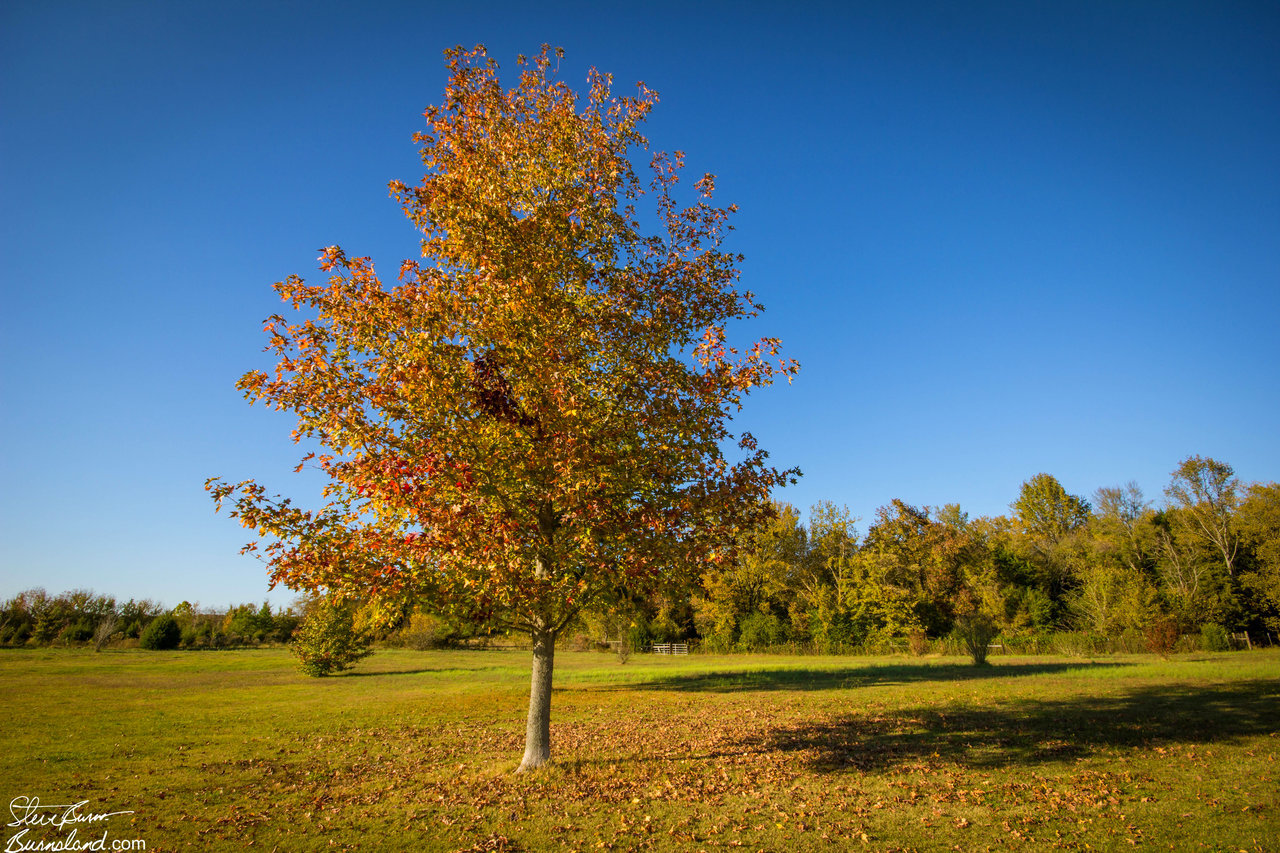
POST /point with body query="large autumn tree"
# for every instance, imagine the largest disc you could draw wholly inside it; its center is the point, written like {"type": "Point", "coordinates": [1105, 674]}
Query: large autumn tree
{"type": "Point", "coordinates": [536, 415]}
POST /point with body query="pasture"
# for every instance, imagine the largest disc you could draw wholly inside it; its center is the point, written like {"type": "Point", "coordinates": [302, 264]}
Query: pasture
{"type": "Point", "coordinates": [414, 751]}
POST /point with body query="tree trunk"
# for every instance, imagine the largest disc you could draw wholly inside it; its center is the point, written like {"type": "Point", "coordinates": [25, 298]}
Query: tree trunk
{"type": "Point", "coordinates": [537, 734]}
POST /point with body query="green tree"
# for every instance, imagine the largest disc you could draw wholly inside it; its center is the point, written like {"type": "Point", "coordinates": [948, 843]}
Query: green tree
{"type": "Point", "coordinates": [1009, 582]}
{"type": "Point", "coordinates": [162, 634]}
{"type": "Point", "coordinates": [536, 417]}
{"type": "Point", "coordinates": [134, 615]}
{"type": "Point", "coordinates": [1258, 523]}
{"type": "Point", "coordinates": [1113, 597]}
{"type": "Point", "coordinates": [327, 640]}
{"type": "Point", "coordinates": [1116, 582]}
{"type": "Point", "coordinates": [1051, 522]}
{"type": "Point", "coordinates": [912, 557]}
{"type": "Point", "coordinates": [247, 624]}
{"type": "Point", "coordinates": [1046, 512]}
{"type": "Point", "coordinates": [826, 579]}
{"type": "Point", "coordinates": [760, 580]}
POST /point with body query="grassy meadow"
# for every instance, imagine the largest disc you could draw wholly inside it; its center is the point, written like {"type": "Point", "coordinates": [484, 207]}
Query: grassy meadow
{"type": "Point", "coordinates": [414, 751]}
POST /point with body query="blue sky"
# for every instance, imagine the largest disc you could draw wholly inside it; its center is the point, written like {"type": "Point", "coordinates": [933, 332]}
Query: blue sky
{"type": "Point", "coordinates": [1001, 238]}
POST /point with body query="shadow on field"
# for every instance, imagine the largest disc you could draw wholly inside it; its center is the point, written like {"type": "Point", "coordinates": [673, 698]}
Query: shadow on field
{"type": "Point", "coordinates": [852, 677]}
{"type": "Point", "coordinates": [383, 673]}
{"type": "Point", "coordinates": [1033, 732]}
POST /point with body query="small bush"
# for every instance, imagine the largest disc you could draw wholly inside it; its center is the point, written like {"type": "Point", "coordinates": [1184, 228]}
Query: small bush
{"type": "Point", "coordinates": [1162, 636]}
{"type": "Point", "coordinates": [327, 640]}
{"type": "Point", "coordinates": [162, 634]}
{"type": "Point", "coordinates": [919, 643]}
{"type": "Point", "coordinates": [105, 630]}
{"type": "Point", "coordinates": [976, 631]}
{"type": "Point", "coordinates": [1213, 638]}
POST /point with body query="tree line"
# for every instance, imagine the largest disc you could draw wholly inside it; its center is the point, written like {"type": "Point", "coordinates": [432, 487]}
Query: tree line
{"type": "Point", "coordinates": [82, 617]}
{"type": "Point", "coordinates": [1117, 564]}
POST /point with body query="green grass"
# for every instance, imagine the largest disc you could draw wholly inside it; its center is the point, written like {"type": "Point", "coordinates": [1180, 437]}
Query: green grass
{"type": "Point", "coordinates": [414, 751]}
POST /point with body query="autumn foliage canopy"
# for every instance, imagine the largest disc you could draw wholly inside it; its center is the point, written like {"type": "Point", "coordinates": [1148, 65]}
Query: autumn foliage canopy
{"type": "Point", "coordinates": [535, 414]}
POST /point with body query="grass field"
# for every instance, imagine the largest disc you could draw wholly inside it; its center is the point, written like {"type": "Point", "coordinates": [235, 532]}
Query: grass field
{"type": "Point", "coordinates": [414, 751]}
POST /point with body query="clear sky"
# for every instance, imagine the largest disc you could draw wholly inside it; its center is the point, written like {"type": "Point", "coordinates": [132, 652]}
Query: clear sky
{"type": "Point", "coordinates": [1001, 238]}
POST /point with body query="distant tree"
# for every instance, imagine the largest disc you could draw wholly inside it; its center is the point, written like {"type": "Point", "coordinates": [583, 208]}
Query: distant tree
{"type": "Point", "coordinates": [1162, 635]}
{"type": "Point", "coordinates": [247, 624]}
{"type": "Point", "coordinates": [827, 577]}
{"type": "Point", "coordinates": [916, 558]}
{"type": "Point", "coordinates": [760, 580]}
{"type": "Point", "coordinates": [1192, 580]}
{"type": "Point", "coordinates": [761, 631]}
{"type": "Point", "coordinates": [1011, 584]}
{"type": "Point", "coordinates": [1213, 638]}
{"type": "Point", "coordinates": [134, 615]}
{"type": "Point", "coordinates": [536, 417]}
{"type": "Point", "coordinates": [1258, 523]}
{"type": "Point", "coordinates": [1051, 522]}
{"type": "Point", "coordinates": [1115, 571]}
{"type": "Point", "coordinates": [1113, 597]}
{"type": "Point", "coordinates": [1046, 512]}
{"type": "Point", "coordinates": [1206, 491]}
{"type": "Point", "coordinates": [1119, 513]}
{"type": "Point", "coordinates": [264, 623]}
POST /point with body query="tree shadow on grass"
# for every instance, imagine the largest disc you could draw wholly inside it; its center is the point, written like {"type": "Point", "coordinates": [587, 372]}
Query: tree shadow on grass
{"type": "Point", "coordinates": [381, 673]}
{"type": "Point", "coordinates": [790, 678]}
{"type": "Point", "coordinates": [458, 662]}
{"type": "Point", "coordinates": [1031, 732]}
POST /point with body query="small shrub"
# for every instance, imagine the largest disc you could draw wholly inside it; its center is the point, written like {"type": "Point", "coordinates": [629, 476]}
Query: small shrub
{"type": "Point", "coordinates": [1162, 636]}
{"type": "Point", "coordinates": [162, 634]}
{"type": "Point", "coordinates": [919, 643]}
{"type": "Point", "coordinates": [1213, 638]}
{"type": "Point", "coordinates": [976, 631]}
{"type": "Point", "coordinates": [106, 629]}
{"type": "Point", "coordinates": [327, 640]}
